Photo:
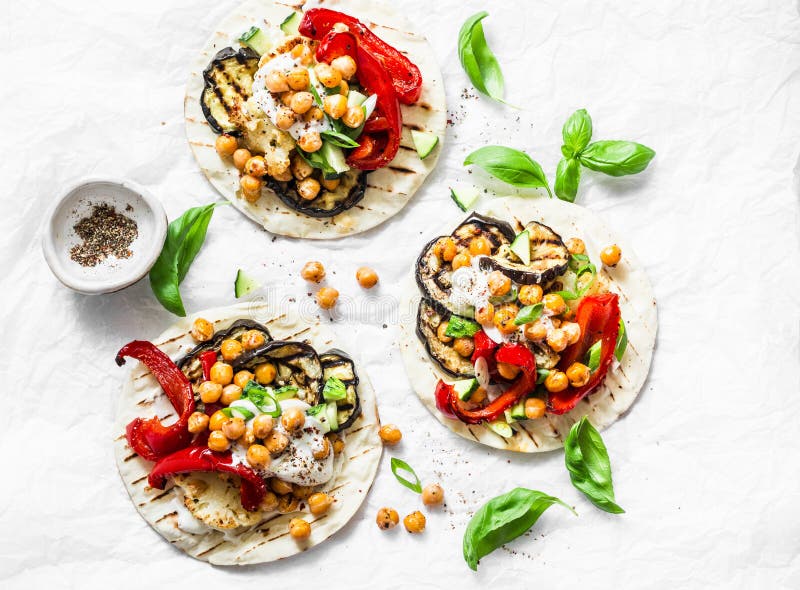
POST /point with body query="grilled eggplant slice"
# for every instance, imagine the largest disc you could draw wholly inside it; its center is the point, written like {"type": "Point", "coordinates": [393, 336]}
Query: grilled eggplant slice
{"type": "Point", "coordinates": [190, 364]}
{"type": "Point", "coordinates": [228, 84]}
{"type": "Point", "coordinates": [434, 275]}
{"type": "Point", "coordinates": [296, 363]}
{"type": "Point", "coordinates": [336, 363]}
{"type": "Point", "coordinates": [429, 317]}
{"type": "Point", "coordinates": [350, 191]}
{"type": "Point", "coordinates": [549, 258]}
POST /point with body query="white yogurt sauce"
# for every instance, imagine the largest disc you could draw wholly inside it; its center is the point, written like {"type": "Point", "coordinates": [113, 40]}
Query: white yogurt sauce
{"type": "Point", "coordinates": [186, 520]}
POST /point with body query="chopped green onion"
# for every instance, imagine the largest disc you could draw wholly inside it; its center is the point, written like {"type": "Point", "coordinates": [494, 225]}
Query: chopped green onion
{"type": "Point", "coordinates": [593, 356]}
{"type": "Point", "coordinates": [228, 412]}
{"type": "Point", "coordinates": [262, 398]}
{"type": "Point", "coordinates": [577, 260]}
{"type": "Point", "coordinates": [243, 413]}
{"type": "Point", "coordinates": [528, 314]}
{"type": "Point", "coordinates": [398, 464]}
{"type": "Point", "coordinates": [622, 341]}
{"type": "Point", "coordinates": [334, 390]}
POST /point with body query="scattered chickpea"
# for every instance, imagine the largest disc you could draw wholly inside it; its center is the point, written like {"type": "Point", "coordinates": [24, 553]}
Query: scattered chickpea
{"type": "Point", "coordinates": [251, 187]}
{"type": "Point", "coordinates": [499, 284]}
{"type": "Point", "coordinates": [353, 117]}
{"type": "Point", "coordinates": [485, 313]}
{"type": "Point", "coordinates": [335, 105]}
{"type": "Point", "coordinates": [226, 145]}
{"type": "Point", "coordinates": [293, 419]}
{"type": "Point", "coordinates": [536, 331]}
{"type": "Point", "coordinates": [276, 82]}
{"type": "Point", "coordinates": [310, 142]}
{"type": "Point", "coordinates": [218, 442]}
{"type": "Point", "coordinates": [230, 393]}
{"type": "Point", "coordinates": [507, 370]}
{"type": "Point", "coordinates": [221, 373]}
{"type": "Point", "coordinates": [556, 381]}
{"type": "Point", "coordinates": [366, 277]}
{"type": "Point", "coordinates": [480, 246]}
{"type": "Point", "coordinates": [330, 184]}
{"type": "Point", "coordinates": [414, 522]}
{"type": "Point", "coordinates": [280, 487]}
{"type": "Point", "coordinates": [217, 419]}
{"type": "Point", "coordinates": [263, 425]}
{"type": "Point", "coordinates": [202, 330]}
{"type": "Point", "coordinates": [276, 442]}
{"type": "Point", "coordinates": [308, 188]}
{"type": "Point", "coordinates": [256, 166]}
{"type": "Point", "coordinates": [345, 65]}
{"type": "Point", "coordinates": [557, 339]}
{"type": "Point", "coordinates": [432, 494]}
{"type": "Point", "coordinates": [326, 297]}
{"type": "Point", "coordinates": [387, 518]}
{"type": "Point", "coordinates": [390, 434]}
{"type": "Point", "coordinates": [530, 294]}
{"type": "Point", "coordinates": [576, 246]}
{"type": "Point", "coordinates": [610, 256]}
{"type": "Point", "coordinates": [461, 259]}
{"type": "Point", "coordinates": [258, 456]}
{"type": "Point", "coordinates": [441, 333]}
{"type": "Point", "coordinates": [329, 76]}
{"type": "Point", "coordinates": [464, 346]}
{"type": "Point", "coordinates": [240, 158]}
{"type": "Point", "coordinates": [233, 428]}
{"type": "Point", "coordinates": [265, 373]}
{"type": "Point", "coordinates": [504, 317]}
{"type": "Point", "coordinates": [299, 529]}
{"type": "Point", "coordinates": [298, 79]}
{"type": "Point", "coordinates": [210, 392]}
{"type": "Point", "coordinates": [319, 503]}
{"type": "Point", "coordinates": [198, 422]}
{"type": "Point", "coordinates": [554, 303]}
{"type": "Point", "coordinates": [230, 349]}
{"type": "Point", "coordinates": [313, 271]}
{"type": "Point", "coordinates": [320, 454]}
{"type": "Point", "coordinates": [572, 330]}
{"type": "Point", "coordinates": [302, 102]}
{"type": "Point", "coordinates": [534, 408]}
{"type": "Point", "coordinates": [252, 339]}
{"type": "Point", "coordinates": [578, 374]}
{"type": "Point", "coordinates": [242, 378]}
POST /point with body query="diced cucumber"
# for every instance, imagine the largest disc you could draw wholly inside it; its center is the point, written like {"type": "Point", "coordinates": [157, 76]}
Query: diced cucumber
{"type": "Point", "coordinates": [355, 98]}
{"type": "Point", "coordinates": [286, 392]}
{"type": "Point", "coordinates": [334, 390]}
{"type": "Point", "coordinates": [335, 157]}
{"type": "Point", "coordinates": [500, 427]}
{"type": "Point", "coordinates": [517, 411]}
{"type": "Point", "coordinates": [521, 246]}
{"type": "Point", "coordinates": [424, 141]}
{"type": "Point", "coordinates": [465, 388]}
{"type": "Point", "coordinates": [257, 40]}
{"type": "Point", "coordinates": [291, 24]}
{"type": "Point", "coordinates": [332, 415]}
{"type": "Point", "coordinates": [244, 284]}
{"type": "Point", "coordinates": [464, 195]}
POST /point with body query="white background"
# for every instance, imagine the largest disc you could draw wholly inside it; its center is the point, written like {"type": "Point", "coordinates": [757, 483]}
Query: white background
{"type": "Point", "coordinates": [707, 462]}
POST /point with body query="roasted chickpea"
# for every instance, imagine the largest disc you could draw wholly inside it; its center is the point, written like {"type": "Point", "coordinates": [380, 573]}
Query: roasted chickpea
{"type": "Point", "coordinates": [572, 330]}
{"type": "Point", "coordinates": [329, 76]}
{"type": "Point", "coordinates": [390, 434]}
{"type": "Point", "coordinates": [414, 522]}
{"type": "Point", "coordinates": [284, 118]}
{"type": "Point", "coordinates": [345, 65]}
{"type": "Point", "coordinates": [218, 442]}
{"type": "Point", "coordinates": [276, 82]}
{"type": "Point", "coordinates": [280, 173]}
{"type": "Point", "coordinates": [230, 349]}
{"type": "Point", "coordinates": [225, 145]}
{"type": "Point", "coordinates": [323, 452]}
{"type": "Point", "coordinates": [499, 284]}
{"type": "Point", "coordinates": [507, 370]}
{"type": "Point", "coordinates": [210, 392]}
{"type": "Point", "coordinates": [303, 53]}
{"type": "Point", "coordinates": [258, 456]}
{"type": "Point", "coordinates": [251, 187]}
{"type": "Point", "coordinates": [611, 255]}
{"type": "Point", "coordinates": [262, 425]}
{"type": "Point", "coordinates": [557, 339]}
{"type": "Point", "coordinates": [432, 494]}
{"type": "Point", "coordinates": [578, 374]}
{"type": "Point", "coordinates": [441, 333]}
{"type": "Point", "coordinates": [287, 503]}
{"type": "Point", "coordinates": [202, 330]}
{"type": "Point", "coordinates": [319, 503]}
{"type": "Point", "coordinates": [269, 503]}
{"type": "Point", "coordinates": [300, 168]}
{"type": "Point", "coordinates": [217, 419]}
{"type": "Point", "coordinates": [335, 105]}
{"type": "Point", "coordinates": [265, 373]}
{"type": "Point", "coordinates": [308, 188]}
{"type": "Point", "coordinates": [276, 442]}
{"type": "Point", "coordinates": [464, 346]}
{"type": "Point", "coordinates": [480, 246]}
{"type": "Point", "coordinates": [198, 422]}
{"type": "Point", "coordinates": [310, 141]}
{"type": "Point", "coordinates": [504, 317]}
{"type": "Point", "coordinates": [554, 303]}
{"type": "Point", "coordinates": [461, 259]}
{"type": "Point", "coordinates": [344, 88]}
{"type": "Point", "coordinates": [230, 393]}
{"type": "Point", "coordinates": [302, 492]}
{"type": "Point", "coordinates": [330, 184]}
{"type": "Point", "coordinates": [534, 408]}
{"type": "Point", "coordinates": [247, 439]}
{"type": "Point", "coordinates": [252, 339]}
{"type": "Point", "coordinates": [221, 373]}
{"type": "Point", "coordinates": [353, 117]}
{"type": "Point", "coordinates": [298, 79]}
{"type": "Point", "coordinates": [313, 271]}
{"type": "Point", "coordinates": [256, 166]}
{"type": "Point", "coordinates": [366, 277]}
{"type": "Point", "coordinates": [448, 249]}
{"type": "Point", "coordinates": [286, 98]}
{"type": "Point", "coordinates": [233, 428]}
{"type": "Point", "coordinates": [299, 529]}
{"type": "Point", "coordinates": [536, 331]}
{"type": "Point", "coordinates": [576, 246]}
{"type": "Point", "coordinates": [556, 381]}
{"type": "Point", "coordinates": [530, 294]}
{"type": "Point", "coordinates": [478, 396]}
{"type": "Point", "coordinates": [280, 487]}
{"type": "Point", "coordinates": [485, 313]}
{"type": "Point", "coordinates": [338, 446]}
{"type": "Point", "coordinates": [302, 102]}
{"type": "Point", "coordinates": [314, 114]}
{"type": "Point", "coordinates": [326, 297]}
{"type": "Point", "coordinates": [240, 158]}
{"type": "Point", "coordinates": [242, 378]}
{"type": "Point", "coordinates": [387, 518]}
{"type": "Point", "coordinates": [293, 419]}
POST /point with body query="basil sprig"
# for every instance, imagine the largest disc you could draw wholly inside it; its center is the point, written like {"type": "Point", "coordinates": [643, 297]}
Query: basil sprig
{"type": "Point", "coordinates": [185, 237]}
{"type": "Point", "coordinates": [529, 313]}
{"type": "Point", "coordinates": [509, 165]}
{"type": "Point", "coordinates": [477, 59]}
{"type": "Point", "coordinates": [458, 327]}
{"type": "Point", "coordinates": [503, 519]}
{"type": "Point", "coordinates": [397, 465]}
{"type": "Point", "coordinates": [589, 469]}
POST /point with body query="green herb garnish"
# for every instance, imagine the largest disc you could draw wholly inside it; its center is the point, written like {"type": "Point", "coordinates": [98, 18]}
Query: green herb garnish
{"type": "Point", "coordinates": [458, 327]}
{"type": "Point", "coordinates": [339, 139]}
{"type": "Point", "coordinates": [589, 469]}
{"type": "Point", "coordinates": [529, 313]}
{"type": "Point", "coordinates": [262, 398]}
{"type": "Point", "coordinates": [509, 165]}
{"type": "Point", "coordinates": [593, 356]}
{"type": "Point", "coordinates": [477, 59]}
{"type": "Point", "coordinates": [398, 464]}
{"type": "Point", "coordinates": [622, 341]}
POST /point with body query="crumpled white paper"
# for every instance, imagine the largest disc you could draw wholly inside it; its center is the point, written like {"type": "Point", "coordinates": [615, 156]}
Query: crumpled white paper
{"type": "Point", "coordinates": [706, 462]}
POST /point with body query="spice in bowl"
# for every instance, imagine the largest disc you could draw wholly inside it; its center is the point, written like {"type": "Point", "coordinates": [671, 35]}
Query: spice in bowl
{"type": "Point", "coordinates": [104, 233]}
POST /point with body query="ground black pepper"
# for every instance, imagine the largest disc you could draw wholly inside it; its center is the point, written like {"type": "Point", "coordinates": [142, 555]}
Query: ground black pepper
{"type": "Point", "coordinates": [104, 233]}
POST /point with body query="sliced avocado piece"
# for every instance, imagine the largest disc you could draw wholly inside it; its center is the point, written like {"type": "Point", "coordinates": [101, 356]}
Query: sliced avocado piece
{"type": "Point", "coordinates": [521, 246]}
{"type": "Point", "coordinates": [465, 388]}
{"type": "Point", "coordinates": [424, 141]}
{"type": "Point", "coordinates": [244, 284]}
{"type": "Point", "coordinates": [464, 196]}
{"type": "Point", "coordinates": [257, 40]}
{"type": "Point", "coordinates": [500, 427]}
{"type": "Point", "coordinates": [291, 24]}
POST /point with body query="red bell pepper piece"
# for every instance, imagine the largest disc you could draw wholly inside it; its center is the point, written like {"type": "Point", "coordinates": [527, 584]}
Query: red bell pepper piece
{"type": "Point", "coordinates": [442, 395]}
{"type": "Point", "coordinates": [405, 76]}
{"type": "Point", "coordinates": [197, 458]}
{"type": "Point", "coordinates": [207, 360]}
{"type": "Point", "coordinates": [598, 316]}
{"type": "Point", "coordinates": [484, 347]}
{"type": "Point", "coordinates": [513, 354]}
{"type": "Point", "coordinates": [150, 438]}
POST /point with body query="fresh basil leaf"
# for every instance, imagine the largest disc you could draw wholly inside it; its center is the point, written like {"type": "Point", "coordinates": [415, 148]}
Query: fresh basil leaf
{"type": "Point", "coordinates": [589, 469]}
{"type": "Point", "coordinates": [616, 158]}
{"type": "Point", "coordinates": [503, 519]}
{"type": "Point", "coordinates": [334, 390]}
{"type": "Point", "coordinates": [317, 160]}
{"type": "Point", "coordinates": [339, 139]}
{"type": "Point", "coordinates": [622, 341]}
{"type": "Point", "coordinates": [541, 375]}
{"type": "Point", "coordinates": [576, 132]}
{"type": "Point", "coordinates": [528, 314]}
{"type": "Point", "coordinates": [477, 59]}
{"type": "Point", "coordinates": [568, 295]}
{"type": "Point", "coordinates": [593, 356]}
{"type": "Point", "coordinates": [577, 260]}
{"type": "Point", "coordinates": [185, 237]}
{"type": "Point", "coordinates": [458, 327]}
{"type": "Point", "coordinates": [398, 464]}
{"type": "Point", "coordinates": [568, 176]}
{"type": "Point", "coordinates": [509, 165]}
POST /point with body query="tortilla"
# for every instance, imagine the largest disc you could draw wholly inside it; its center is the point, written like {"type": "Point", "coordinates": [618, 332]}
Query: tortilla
{"type": "Point", "coordinates": [388, 189]}
{"type": "Point", "coordinates": [620, 387]}
{"type": "Point", "coordinates": [354, 468]}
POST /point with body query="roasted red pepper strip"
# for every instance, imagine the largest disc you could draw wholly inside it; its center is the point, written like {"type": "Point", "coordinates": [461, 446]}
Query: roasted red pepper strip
{"type": "Point", "coordinates": [197, 458]}
{"type": "Point", "coordinates": [442, 396]}
{"type": "Point", "coordinates": [207, 360]}
{"type": "Point", "coordinates": [149, 438]}
{"type": "Point", "coordinates": [514, 354]}
{"type": "Point", "coordinates": [406, 77]}
{"type": "Point", "coordinates": [598, 316]}
{"type": "Point", "coordinates": [484, 347]}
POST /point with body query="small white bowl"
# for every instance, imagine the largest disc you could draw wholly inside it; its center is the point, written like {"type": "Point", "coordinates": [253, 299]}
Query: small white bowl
{"type": "Point", "coordinates": [112, 274]}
